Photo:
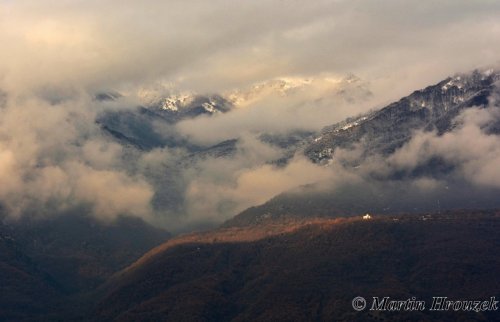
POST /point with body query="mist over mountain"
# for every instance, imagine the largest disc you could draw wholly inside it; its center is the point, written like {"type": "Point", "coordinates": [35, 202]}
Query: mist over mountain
{"type": "Point", "coordinates": [432, 151]}
{"type": "Point", "coordinates": [133, 135]}
{"type": "Point", "coordinates": [106, 110]}
{"type": "Point", "coordinates": [141, 144]}
{"type": "Point", "coordinates": [435, 149]}
{"type": "Point", "coordinates": [194, 160]}
{"type": "Point", "coordinates": [434, 108]}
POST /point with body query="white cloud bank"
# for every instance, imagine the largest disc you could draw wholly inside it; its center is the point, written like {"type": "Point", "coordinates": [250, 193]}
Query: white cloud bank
{"type": "Point", "coordinates": [54, 53]}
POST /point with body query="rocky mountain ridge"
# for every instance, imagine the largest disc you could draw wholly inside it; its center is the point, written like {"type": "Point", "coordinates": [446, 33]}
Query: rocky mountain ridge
{"type": "Point", "coordinates": [385, 130]}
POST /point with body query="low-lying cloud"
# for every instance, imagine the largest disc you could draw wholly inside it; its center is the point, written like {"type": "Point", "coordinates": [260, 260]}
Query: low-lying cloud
{"type": "Point", "coordinates": [57, 54]}
{"type": "Point", "coordinates": [474, 151]}
{"type": "Point", "coordinates": [282, 106]}
{"type": "Point", "coordinates": [53, 157]}
{"type": "Point", "coordinates": [212, 200]}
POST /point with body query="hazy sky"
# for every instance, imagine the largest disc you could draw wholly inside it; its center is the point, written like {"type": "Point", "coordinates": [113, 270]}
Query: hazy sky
{"type": "Point", "coordinates": [220, 44]}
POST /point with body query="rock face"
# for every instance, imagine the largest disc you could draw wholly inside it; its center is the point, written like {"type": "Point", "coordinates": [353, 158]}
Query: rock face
{"type": "Point", "coordinates": [385, 130]}
{"type": "Point", "coordinates": [312, 272]}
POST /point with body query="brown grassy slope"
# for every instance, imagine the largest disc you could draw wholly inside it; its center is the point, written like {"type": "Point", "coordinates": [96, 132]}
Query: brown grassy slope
{"type": "Point", "coordinates": [310, 271]}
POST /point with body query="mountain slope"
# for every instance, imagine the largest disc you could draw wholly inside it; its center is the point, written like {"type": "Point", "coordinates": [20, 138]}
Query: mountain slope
{"type": "Point", "coordinates": [386, 130]}
{"type": "Point", "coordinates": [312, 271]}
{"type": "Point", "coordinates": [47, 265]}
{"type": "Point", "coordinates": [25, 290]}
{"type": "Point", "coordinates": [376, 185]}
{"type": "Point", "coordinates": [139, 126]}
{"type": "Point", "coordinates": [79, 252]}
{"type": "Point", "coordinates": [358, 198]}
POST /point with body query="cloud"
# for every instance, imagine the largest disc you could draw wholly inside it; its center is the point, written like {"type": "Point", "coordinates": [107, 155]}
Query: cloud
{"type": "Point", "coordinates": [465, 175]}
{"type": "Point", "coordinates": [469, 147]}
{"type": "Point", "coordinates": [57, 54]}
{"type": "Point", "coordinates": [211, 200]}
{"type": "Point", "coordinates": [53, 158]}
{"type": "Point", "coordinates": [225, 44]}
{"type": "Point", "coordinates": [112, 193]}
{"type": "Point", "coordinates": [98, 44]}
{"type": "Point", "coordinates": [281, 106]}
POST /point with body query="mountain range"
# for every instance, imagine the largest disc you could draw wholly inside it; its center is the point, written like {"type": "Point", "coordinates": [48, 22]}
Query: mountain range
{"type": "Point", "coordinates": [432, 108]}
{"type": "Point", "coordinates": [167, 107]}
{"type": "Point", "coordinates": [304, 254]}
{"type": "Point", "coordinates": [375, 137]}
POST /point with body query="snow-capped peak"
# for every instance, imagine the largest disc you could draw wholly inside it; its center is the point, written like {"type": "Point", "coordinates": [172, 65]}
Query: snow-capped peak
{"type": "Point", "coordinates": [310, 88]}
{"type": "Point", "coordinates": [456, 81]}
{"type": "Point", "coordinates": [210, 106]}
{"type": "Point", "coordinates": [176, 101]}
{"type": "Point", "coordinates": [278, 86]}
{"type": "Point", "coordinates": [462, 81]}
{"type": "Point", "coordinates": [167, 101]}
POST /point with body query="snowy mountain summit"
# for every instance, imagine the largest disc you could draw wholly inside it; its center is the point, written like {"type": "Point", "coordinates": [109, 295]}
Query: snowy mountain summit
{"type": "Point", "coordinates": [385, 130]}
{"type": "Point", "coordinates": [349, 88]}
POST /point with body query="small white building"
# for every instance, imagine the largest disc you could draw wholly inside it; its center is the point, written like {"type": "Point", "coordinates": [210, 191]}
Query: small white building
{"type": "Point", "coordinates": [367, 216]}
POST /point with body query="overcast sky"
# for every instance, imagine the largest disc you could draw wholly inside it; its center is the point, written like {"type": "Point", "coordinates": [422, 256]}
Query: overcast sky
{"type": "Point", "coordinates": [222, 44]}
